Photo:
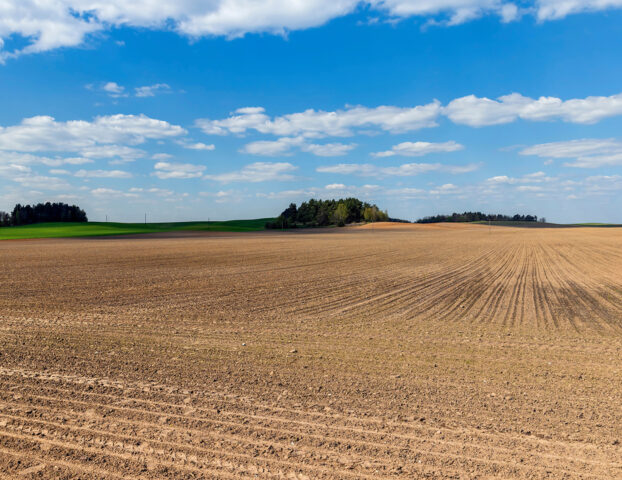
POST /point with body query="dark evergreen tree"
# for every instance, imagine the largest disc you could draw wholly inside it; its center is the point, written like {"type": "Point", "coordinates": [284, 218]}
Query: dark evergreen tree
{"type": "Point", "coordinates": [43, 212]}
{"type": "Point", "coordinates": [478, 217]}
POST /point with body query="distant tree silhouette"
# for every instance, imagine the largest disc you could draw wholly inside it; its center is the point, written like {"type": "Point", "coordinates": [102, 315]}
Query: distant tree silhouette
{"type": "Point", "coordinates": [478, 217]}
{"type": "Point", "coordinates": [5, 219]}
{"type": "Point", "coordinates": [42, 212]}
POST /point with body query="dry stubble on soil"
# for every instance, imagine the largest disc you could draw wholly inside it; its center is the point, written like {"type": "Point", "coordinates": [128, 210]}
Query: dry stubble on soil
{"type": "Point", "coordinates": [407, 352]}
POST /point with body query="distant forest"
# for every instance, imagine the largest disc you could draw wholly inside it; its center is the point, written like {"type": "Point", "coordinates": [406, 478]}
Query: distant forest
{"type": "Point", "coordinates": [480, 217]}
{"type": "Point", "coordinates": [322, 213]}
{"type": "Point", "coordinates": [42, 212]}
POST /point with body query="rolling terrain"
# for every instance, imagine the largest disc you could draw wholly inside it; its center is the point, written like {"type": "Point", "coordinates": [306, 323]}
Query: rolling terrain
{"type": "Point", "coordinates": [383, 351]}
{"type": "Point", "coordinates": [97, 229]}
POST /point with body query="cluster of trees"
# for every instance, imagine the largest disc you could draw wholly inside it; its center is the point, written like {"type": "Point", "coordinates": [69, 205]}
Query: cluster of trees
{"type": "Point", "coordinates": [321, 213]}
{"type": "Point", "coordinates": [479, 217]}
{"type": "Point", "coordinates": [42, 212]}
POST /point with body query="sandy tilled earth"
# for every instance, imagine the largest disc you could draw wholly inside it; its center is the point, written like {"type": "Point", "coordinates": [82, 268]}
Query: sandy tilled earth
{"type": "Point", "coordinates": [405, 352]}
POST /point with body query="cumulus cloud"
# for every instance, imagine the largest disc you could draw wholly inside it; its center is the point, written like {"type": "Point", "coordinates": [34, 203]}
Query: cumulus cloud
{"type": "Point", "coordinates": [199, 146]}
{"type": "Point", "coordinates": [419, 149]}
{"type": "Point", "coordinates": [13, 169]}
{"type": "Point", "coordinates": [19, 158]}
{"type": "Point", "coordinates": [536, 177]}
{"type": "Point", "coordinates": [44, 133]}
{"type": "Point", "coordinates": [585, 153]}
{"type": "Point", "coordinates": [556, 9]}
{"type": "Point", "coordinates": [114, 90]}
{"type": "Point", "coordinates": [161, 156]}
{"type": "Point", "coordinates": [294, 129]}
{"type": "Point", "coordinates": [41, 182]}
{"type": "Point", "coordinates": [223, 196]}
{"type": "Point", "coordinates": [318, 123]}
{"type": "Point", "coordinates": [257, 172]}
{"type": "Point", "coordinates": [407, 192]}
{"type": "Point", "coordinates": [455, 11]}
{"type": "Point", "coordinates": [122, 153]}
{"type": "Point", "coordinates": [152, 90]}
{"type": "Point", "coordinates": [50, 24]}
{"type": "Point", "coordinates": [112, 193]}
{"type": "Point", "coordinates": [478, 112]}
{"type": "Point", "coordinates": [405, 170]}
{"type": "Point", "coordinates": [285, 146]}
{"type": "Point", "coordinates": [166, 170]}
{"type": "Point", "coordinates": [329, 191]}
{"type": "Point", "coordinates": [102, 174]}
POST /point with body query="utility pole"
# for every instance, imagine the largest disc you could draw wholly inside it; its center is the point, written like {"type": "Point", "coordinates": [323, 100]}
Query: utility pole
{"type": "Point", "coordinates": [106, 218]}
{"type": "Point", "coordinates": [145, 219]}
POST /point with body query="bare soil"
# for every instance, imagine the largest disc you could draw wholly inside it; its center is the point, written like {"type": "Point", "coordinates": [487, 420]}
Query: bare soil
{"type": "Point", "coordinates": [403, 351]}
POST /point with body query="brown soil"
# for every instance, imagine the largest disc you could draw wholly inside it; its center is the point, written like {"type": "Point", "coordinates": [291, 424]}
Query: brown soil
{"type": "Point", "coordinates": [402, 352]}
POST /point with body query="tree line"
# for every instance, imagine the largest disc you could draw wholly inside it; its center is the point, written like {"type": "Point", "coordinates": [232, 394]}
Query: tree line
{"type": "Point", "coordinates": [322, 213]}
{"type": "Point", "coordinates": [42, 212]}
{"type": "Point", "coordinates": [480, 217]}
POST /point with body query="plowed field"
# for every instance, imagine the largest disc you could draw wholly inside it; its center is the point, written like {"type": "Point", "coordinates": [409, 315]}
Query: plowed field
{"type": "Point", "coordinates": [403, 352]}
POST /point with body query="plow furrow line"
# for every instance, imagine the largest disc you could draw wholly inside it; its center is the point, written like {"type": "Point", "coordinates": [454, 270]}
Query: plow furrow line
{"type": "Point", "coordinates": [382, 423]}
{"type": "Point", "coordinates": [341, 440]}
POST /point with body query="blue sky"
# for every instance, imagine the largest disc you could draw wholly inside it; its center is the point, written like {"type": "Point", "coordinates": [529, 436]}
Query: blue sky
{"type": "Point", "coordinates": [231, 109]}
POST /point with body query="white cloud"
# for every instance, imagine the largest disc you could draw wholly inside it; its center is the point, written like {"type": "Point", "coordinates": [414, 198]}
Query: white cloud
{"type": "Point", "coordinates": [114, 90]}
{"type": "Point", "coordinates": [419, 149]}
{"type": "Point", "coordinates": [285, 145]}
{"type": "Point", "coordinates": [44, 133]}
{"type": "Point", "coordinates": [334, 190]}
{"type": "Point", "coordinates": [446, 189]}
{"type": "Point", "coordinates": [112, 193]}
{"type": "Point", "coordinates": [456, 11]}
{"type": "Point", "coordinates": [166, 170]}
{"type": "Point", "coordinates": [29, 159]}
{"type": "Point", "coordinates": [405, 170]}
{"type": "Point", "coordinates": [335, 186]}
{"type": "Point", "coordinates": [41, 182]}
{"type": "Point", "coordinates": [556, 9]}
{"type": "Point", "coordinates": [536, 177]}
{"type": "Point", "coordinates": [269, 148]}
{"type": "Point", "coordinates": [102, 174]}
{"type": "Point", "coordinates": [121, 152]}
{"type": "Point", "coordinates": [586, 153]}
{"type": "Point", "coordinates": [407, 192]}
{"type": "Point", "coordinates": [160, 192]}
{"type": "Point", "coordinates": [318, 123]}
{"type": "Point", "coordinates": [222, 196]}
{"type": "Point", "coordinates": [12, 169]}
{"type": "Point", "coordinates": [478, 112]}
{"type": "Point", "coordinates": [603, 184]}
{"type": "Point", "coordinates": [68, 161]}
{"type": "Point", "coordinates": [152, 90]}
{"type": "Point", "coordinates": [257, 172]}
{"type": "Point", "coordinates": [50, 24]}
{"type": "Point", "coordinates": [529, 188]}
{"type": "Point", "coordinates": [294, 128]}
{"type": "Point", "coordinates": [328, 149]}
{"type": "Point", "coordinates": [161, 156]}
{"type": "Point", "coordinates": [199, 146]}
